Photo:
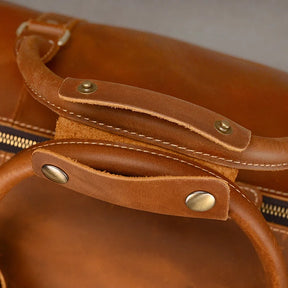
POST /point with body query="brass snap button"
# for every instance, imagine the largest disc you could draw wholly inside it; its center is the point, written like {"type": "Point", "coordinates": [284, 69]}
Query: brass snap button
{"type": "Point", "coordinates": [200, 201]}
{"type": "Point", "coordinates": [54, 174]}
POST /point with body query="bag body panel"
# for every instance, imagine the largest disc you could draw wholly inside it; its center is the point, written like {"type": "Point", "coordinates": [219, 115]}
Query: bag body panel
{"type": "Point", "coordinates": [67, 240]}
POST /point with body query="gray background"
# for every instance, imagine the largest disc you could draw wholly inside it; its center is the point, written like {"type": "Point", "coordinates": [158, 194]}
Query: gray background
{"type": "Point", "coordinates": [251, 29]}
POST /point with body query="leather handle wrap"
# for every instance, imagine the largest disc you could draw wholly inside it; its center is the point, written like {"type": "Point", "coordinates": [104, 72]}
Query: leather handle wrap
{"type": "Point", "coordinates": [157, 194]}
{"type": "Point", "coordinates": [243, 212]}
{"type": "Point", "coordinates": [159, 106]}
{"type": "Point", "coordinates": [270, 154]}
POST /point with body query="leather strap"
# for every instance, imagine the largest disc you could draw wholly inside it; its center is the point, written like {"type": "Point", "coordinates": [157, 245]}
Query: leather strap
{"type": "Point", "coordinates": [158, 194]}
{"type": "Point", "coordinates": [50, 26]}
{"type": "Point", "coordinates": [242, 211]}
{"type": "Point", "coordinates": [270, 154]}
{"type": "Point", "coordinates": [182, 113]}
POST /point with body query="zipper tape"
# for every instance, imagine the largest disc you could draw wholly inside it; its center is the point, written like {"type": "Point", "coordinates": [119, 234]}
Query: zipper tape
{"type": "Point", "coordinates": [275, 210]}
{"type": "Point", "coordinates": [14, 140]}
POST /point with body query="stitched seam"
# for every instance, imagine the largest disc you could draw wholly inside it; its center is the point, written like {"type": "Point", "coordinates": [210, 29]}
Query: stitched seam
{"type": "Point", "coordinates": [151, 138]}
{"type": "Point", "coordinates": [279, 230]}
{"type": "Point", "coordinates": [19, 102]}
{"type": "Point", "coordinates": [36, 128]}
{"type": "Point", "coordinates": [144, 151]}
{"type": "Point", "coordinates": [2, 158]}
{"type": "Point", "coordinates": [272, 191]}
{"type": "Point", "coordinates": [253, 191]}
{"type": "Point", "coordinates": [7, 157]}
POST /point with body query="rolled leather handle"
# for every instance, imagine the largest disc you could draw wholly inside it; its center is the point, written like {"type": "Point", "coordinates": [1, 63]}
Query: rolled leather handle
{"type": "Point", "coordinates": [242, 212]}
{"type": "Point", "coordinates": [198, 134]}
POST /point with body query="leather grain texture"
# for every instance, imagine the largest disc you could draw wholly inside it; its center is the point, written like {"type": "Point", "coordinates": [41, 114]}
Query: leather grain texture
{"type": "Point", "coordinates": [52, 236]}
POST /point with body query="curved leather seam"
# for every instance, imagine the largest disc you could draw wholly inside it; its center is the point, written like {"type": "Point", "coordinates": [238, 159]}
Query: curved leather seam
{"type": "Point", "coordinates": [148, 137]}
{"type": "Point", "coordinates": [2, 158]}
{"type": "Point", "coordinates": [19, 102]}
{"type": "Point", "coordinates": [52, 48]}
{"type": "Point", "coordinates": [279, 230]}
{"type": "Point", "coordinates": [36, 128]}
{"type": "Point", "coordinates": [144, 151]}
{"type": "Point", "coordinates": [5, 157]}
{"type": "Point", "coordinates": [253, 191]}
{"type": "Point", "coordinates": [272, 191]}
{"type": "Point", "coordinates": [8, 157]}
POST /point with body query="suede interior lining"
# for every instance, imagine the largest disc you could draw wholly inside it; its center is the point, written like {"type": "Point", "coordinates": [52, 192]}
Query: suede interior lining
{"type": "Point", "coordinates": [67, 129]}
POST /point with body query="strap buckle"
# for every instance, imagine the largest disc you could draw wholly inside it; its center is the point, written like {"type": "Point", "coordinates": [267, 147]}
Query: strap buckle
{"type": "Point", "coordinates": [61, 41]}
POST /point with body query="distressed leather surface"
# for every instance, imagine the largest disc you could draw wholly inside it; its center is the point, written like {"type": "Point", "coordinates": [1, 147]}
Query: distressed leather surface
{"type": "Point", "coordinates": [46, 230]}
{"type": "Point", "coordinates": [78, 241]}
{"type": "Point", "coordinates": [192, 74]}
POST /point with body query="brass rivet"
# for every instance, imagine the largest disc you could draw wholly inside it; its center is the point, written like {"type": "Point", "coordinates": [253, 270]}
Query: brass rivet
{"type": "Point", "coordinates": [223, 126]}
{"type": "Point", "coordinates": [200, 201]}
{"type": "Point", "coordinates": [54, 174]}
{"type": "Point", "coordinates": [87, 87]}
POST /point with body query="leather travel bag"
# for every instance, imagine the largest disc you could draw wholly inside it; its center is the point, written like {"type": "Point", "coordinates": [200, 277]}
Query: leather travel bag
{"type": "Point", "coordinates": [129, 159]}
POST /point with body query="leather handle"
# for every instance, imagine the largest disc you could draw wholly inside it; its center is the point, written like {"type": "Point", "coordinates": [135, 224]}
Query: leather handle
{"type": "Point", "coordinates": [159, 106]}
{"type": "Point", "coordinates": [157, 194]}
{"type": "Point", "coordinates": [262, 153]}
{"type": "Point", "coordinates": [242, 212]}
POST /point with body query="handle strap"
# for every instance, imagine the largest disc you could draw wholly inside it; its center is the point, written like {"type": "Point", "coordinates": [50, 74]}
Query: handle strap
{"type": "Point", "coordinates": [241, 211]}
{"type": "Point", "coordinates": [114, 108]}
{"type": "Point", "coordinates": [157, 194]}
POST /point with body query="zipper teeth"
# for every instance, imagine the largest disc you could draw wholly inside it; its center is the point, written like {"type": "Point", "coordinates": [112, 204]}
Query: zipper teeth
{"type": "Point", "coordinates": [274, 210]}
{"type": "Point", "coordinates": [24, 143]}
{"type": "Point", "coordinates": [16, 141]}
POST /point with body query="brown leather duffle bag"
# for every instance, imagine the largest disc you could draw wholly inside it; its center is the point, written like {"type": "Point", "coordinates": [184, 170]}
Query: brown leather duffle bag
{"type": "Point", "coordinates": [129, 159]}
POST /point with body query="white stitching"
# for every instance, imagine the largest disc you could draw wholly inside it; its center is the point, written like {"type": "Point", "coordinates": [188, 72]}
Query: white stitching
{"type": "Point", "coordinates": [272, 191]}
{"type": "Point", "coordinates": [2, 159]}
{"type": "Point", "coordinates": [153, 139]}
{"type": "Point", "coordinates": [253, 191]}
{"type": "Point", "coordinates": [7, 157]}
{"type": "Point", "coordinates": [279, 230]}
{"type": "Point", "coordinates": [36, 128]}
{"type": "Point", "coordinates": [144, 151]}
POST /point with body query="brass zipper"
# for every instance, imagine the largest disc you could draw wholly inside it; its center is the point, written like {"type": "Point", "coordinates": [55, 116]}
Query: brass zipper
{"type": "Point", "coordinates": [13, 140]}
{"type": "Point", "coordinates": [275, 210]}
{"type": "Point", "coordinates": [16, 141]}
